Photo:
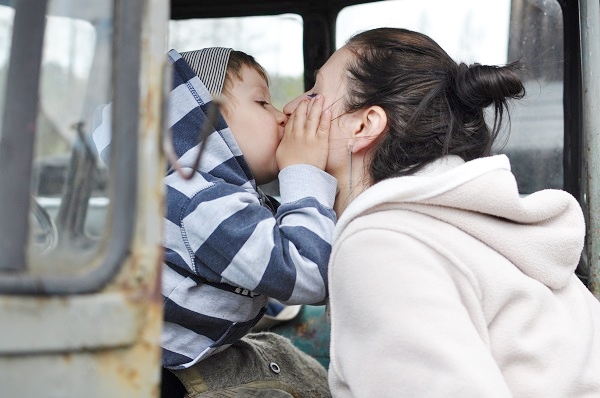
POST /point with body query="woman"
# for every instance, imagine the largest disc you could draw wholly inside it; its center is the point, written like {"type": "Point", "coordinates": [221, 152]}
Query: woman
{"type": "Point", "coordinates": [444, 281]}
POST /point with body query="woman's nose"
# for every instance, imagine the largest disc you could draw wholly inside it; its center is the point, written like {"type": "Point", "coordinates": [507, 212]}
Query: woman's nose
{"type": "Point", "coordinates": [290, 107]}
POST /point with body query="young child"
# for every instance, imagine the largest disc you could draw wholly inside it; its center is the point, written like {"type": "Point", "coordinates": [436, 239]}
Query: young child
{"type": "Point", "coordinates": [228, 246]}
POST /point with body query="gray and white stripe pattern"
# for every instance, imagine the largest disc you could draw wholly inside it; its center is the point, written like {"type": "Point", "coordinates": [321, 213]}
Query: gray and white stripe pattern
{"type": "Point", "coordinates": [210, 64]}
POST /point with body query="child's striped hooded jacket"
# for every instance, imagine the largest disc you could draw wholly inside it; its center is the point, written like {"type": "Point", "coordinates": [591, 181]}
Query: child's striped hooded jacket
{"type": "Point", "coordinates": [227, 247]}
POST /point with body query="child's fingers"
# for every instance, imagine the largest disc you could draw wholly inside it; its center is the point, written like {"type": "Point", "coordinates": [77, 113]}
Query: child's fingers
{"type": "Point", "coordinates": [311, 103]}
{"type": "Point", "coordinates": [324, 124]}
{"type": "Point", "coordinates": [306, 136]}
{"type": "Point", "coordinates": [314, 113]}
{"type": "Point", "coordinates": [294, 128]}
{"type": "Point", "coordinates": [300, 116]}
{"type": "Point", "coordinates": [289, 125]}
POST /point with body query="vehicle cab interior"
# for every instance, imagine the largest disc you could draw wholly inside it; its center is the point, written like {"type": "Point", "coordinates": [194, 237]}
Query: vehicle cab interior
{"type": "Point", "coordinates": [89, 224]}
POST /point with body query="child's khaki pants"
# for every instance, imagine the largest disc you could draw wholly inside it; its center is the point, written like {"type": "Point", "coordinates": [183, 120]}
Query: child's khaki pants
{"type": "Point", "coordinates": [259, 365]}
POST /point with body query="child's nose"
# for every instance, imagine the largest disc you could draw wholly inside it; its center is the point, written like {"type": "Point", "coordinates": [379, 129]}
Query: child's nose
{"type": "Point", "coordinates": [281, 118]}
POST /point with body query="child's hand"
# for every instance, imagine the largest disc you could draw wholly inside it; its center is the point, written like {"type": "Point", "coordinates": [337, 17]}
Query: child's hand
{"type": "Point", "coordinates": [306, 137]}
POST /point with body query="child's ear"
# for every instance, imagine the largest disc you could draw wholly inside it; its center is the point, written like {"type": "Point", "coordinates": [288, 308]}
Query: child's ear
{"type": "Point", "coordinates": [369, 124]}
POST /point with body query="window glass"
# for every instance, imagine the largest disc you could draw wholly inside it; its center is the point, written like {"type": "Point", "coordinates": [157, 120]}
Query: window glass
{"type": "Point", "coordinates": [490, 32]}
{"type": "Point", "coordinates": [69, 184]}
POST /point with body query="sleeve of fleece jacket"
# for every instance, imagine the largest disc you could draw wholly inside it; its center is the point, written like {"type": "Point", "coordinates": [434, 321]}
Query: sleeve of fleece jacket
{"type": "Point", "coordinates": [398, 328]}
{"type": "Point", "coordinates": [225, 235]}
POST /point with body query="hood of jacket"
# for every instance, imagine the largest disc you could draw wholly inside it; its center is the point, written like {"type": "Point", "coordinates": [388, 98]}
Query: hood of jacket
{"type": "Point", "coordinates": [541, 233]}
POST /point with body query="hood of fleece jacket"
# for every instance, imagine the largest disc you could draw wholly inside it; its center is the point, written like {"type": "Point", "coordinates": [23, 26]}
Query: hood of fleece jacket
{"type": "Point", "coordinates": [188, 110]}
{"type": "Point", "coordinates": [542, 233]}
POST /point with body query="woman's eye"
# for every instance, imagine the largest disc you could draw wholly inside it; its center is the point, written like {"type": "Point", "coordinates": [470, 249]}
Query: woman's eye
{"type": "Point", "coordinates": [312, 95]}
{"type": "Point", "coordinates": [262, 103]}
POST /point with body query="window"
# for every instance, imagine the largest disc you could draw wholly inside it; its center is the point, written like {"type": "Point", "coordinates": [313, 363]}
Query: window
{"type": "Point", "coordinates": [69, 183]}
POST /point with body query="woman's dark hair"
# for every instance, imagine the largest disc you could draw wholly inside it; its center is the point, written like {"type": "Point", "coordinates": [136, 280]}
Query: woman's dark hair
{"type": "Point", "coordinates": [434, 106]}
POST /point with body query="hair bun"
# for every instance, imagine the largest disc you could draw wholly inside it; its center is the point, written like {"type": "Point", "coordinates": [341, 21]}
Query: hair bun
{"type": "Point", "coordinates": [478, 86]}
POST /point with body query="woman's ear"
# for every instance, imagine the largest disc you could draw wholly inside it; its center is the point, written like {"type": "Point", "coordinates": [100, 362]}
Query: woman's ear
{"type": "Point", "coordinates": [371, 122]}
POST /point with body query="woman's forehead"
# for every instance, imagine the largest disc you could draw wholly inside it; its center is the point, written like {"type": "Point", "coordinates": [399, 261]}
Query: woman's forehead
{"type": "Point", "coordinates": [336, 66]}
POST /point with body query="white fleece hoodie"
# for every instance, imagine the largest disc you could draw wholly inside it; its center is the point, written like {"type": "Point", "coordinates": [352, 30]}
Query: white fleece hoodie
{"type": "Point", "coordinates": [450, 284]}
